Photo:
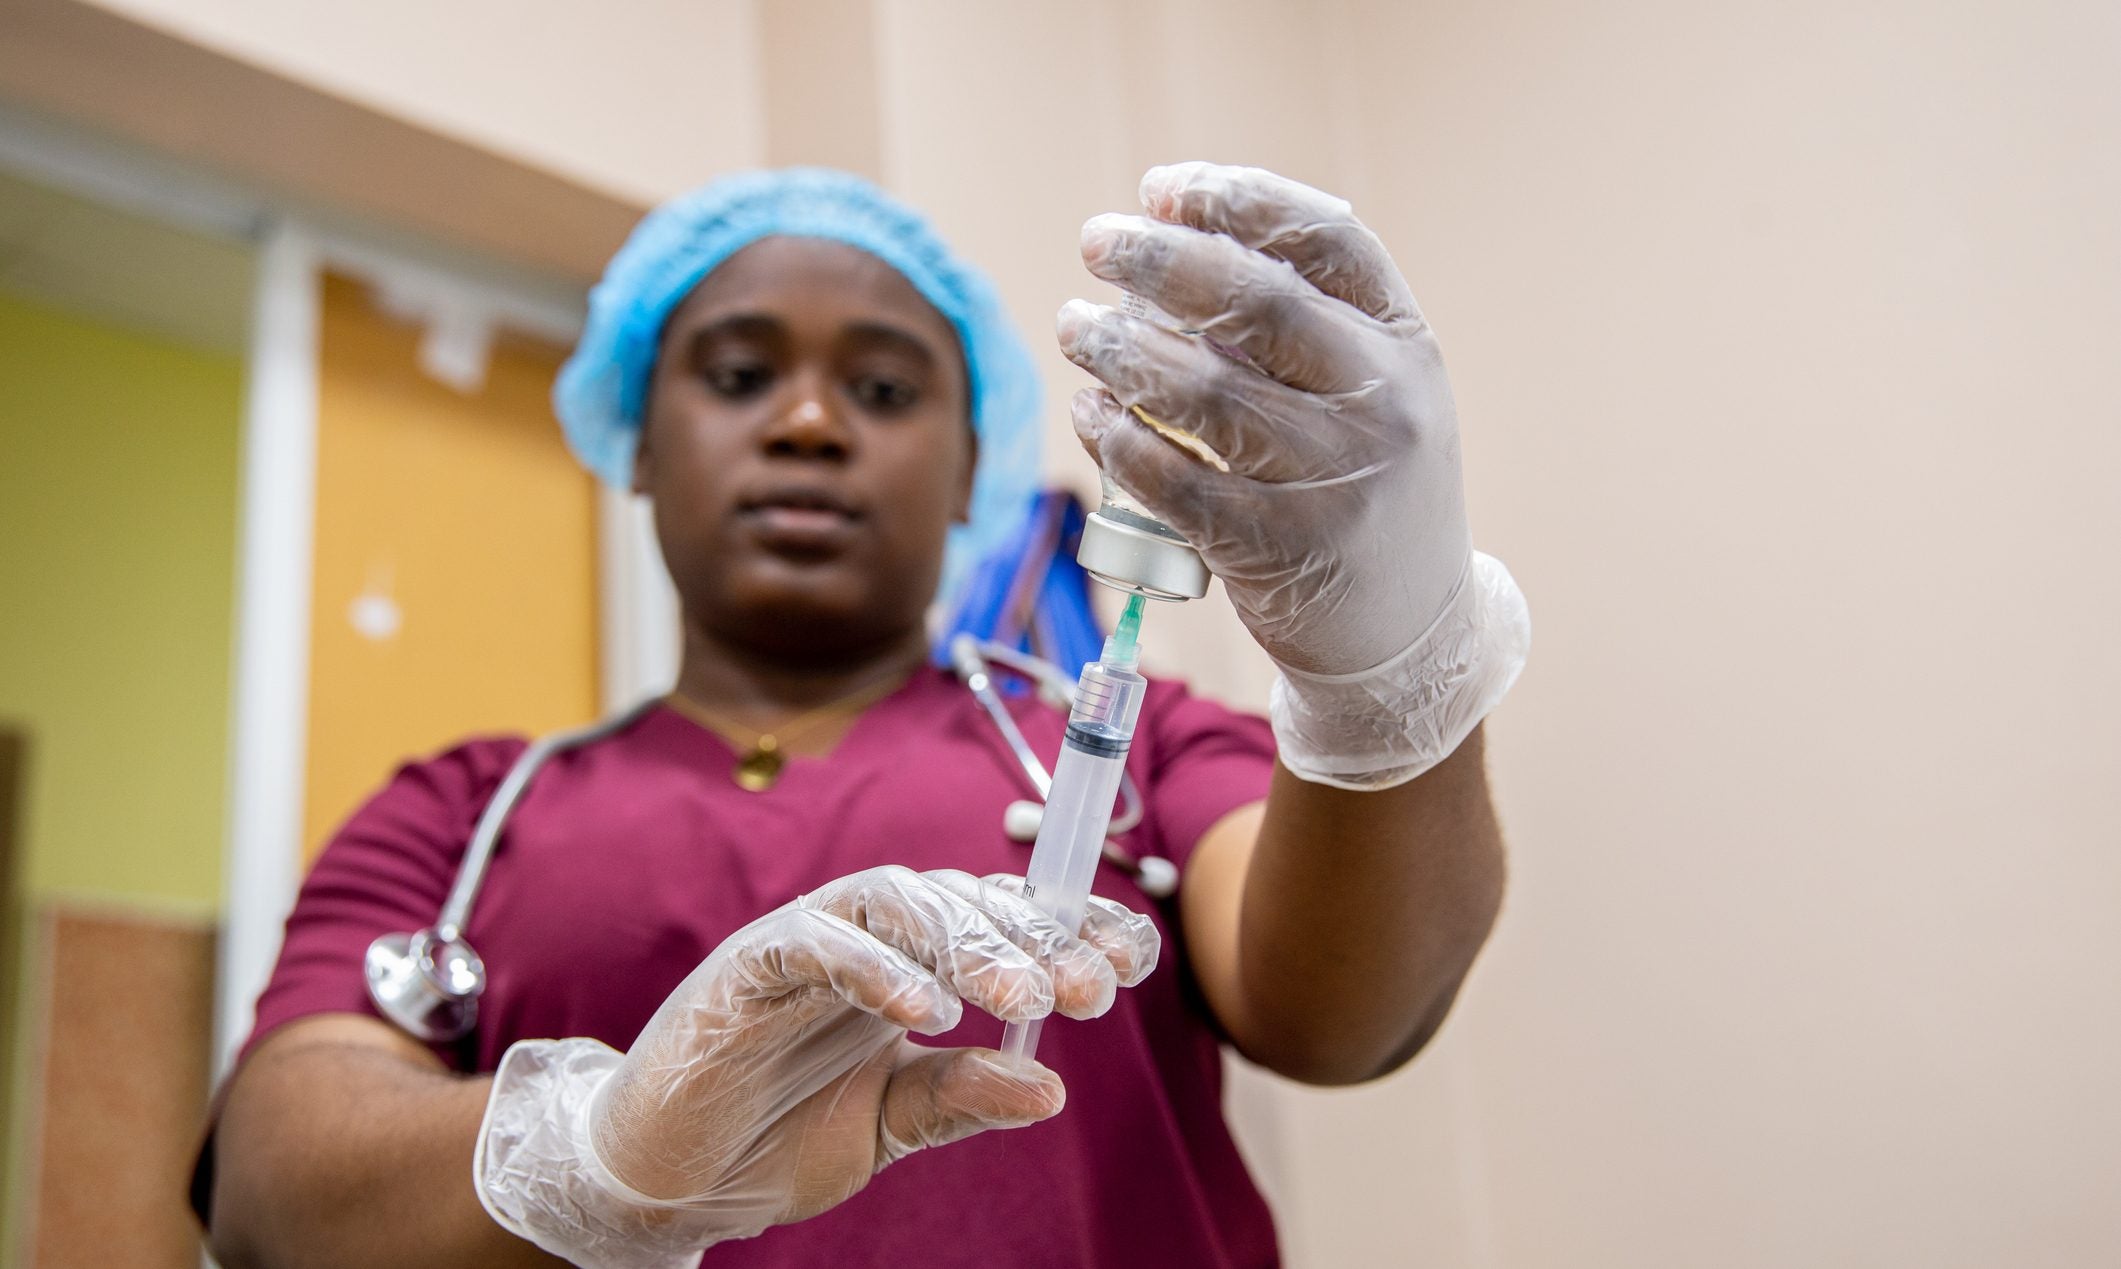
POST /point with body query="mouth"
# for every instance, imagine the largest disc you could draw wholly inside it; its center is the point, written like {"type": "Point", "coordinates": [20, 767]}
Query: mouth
{"type": "Point", "coordinates": [800, 519]}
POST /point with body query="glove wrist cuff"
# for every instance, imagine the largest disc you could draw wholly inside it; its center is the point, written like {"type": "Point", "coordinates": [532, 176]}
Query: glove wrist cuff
{"type": "Point", "coordinates": [536, 1171]}
{"type": "Point", "coordinates": [1384, 726]}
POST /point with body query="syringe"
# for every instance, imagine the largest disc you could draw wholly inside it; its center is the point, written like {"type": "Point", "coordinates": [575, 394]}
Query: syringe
{"type": "Point", "coordinates": [1071, 837]}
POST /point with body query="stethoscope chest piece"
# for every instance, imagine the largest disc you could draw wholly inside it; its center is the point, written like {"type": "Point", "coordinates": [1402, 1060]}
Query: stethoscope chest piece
{"type": "Point", "coordinates": [429, 987]}
{"type": "Point", "coordinates": [1021, 820]}
{"type": "Point", "coordinates": [1157, 876]}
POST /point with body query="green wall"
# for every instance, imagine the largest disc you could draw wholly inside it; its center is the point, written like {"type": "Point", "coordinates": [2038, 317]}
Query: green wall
{"type": "Point", "coordinates": [118, 460]}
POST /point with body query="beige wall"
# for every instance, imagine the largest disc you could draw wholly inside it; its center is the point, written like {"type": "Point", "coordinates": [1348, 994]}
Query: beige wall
{"type": "Point", "coordinates": [638, 98]}
{"type": "Point", "coordinates": [1783, 342]}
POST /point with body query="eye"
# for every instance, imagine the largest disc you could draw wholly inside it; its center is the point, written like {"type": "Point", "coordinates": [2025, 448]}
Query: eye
{"type": "Point", "coordinates": [883, 394]}
{"type": "Point", "coordinates": [738, 379]}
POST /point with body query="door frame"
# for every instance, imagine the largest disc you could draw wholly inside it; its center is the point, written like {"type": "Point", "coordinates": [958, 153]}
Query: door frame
{"type": "Point", "coordinates": [461, 297]}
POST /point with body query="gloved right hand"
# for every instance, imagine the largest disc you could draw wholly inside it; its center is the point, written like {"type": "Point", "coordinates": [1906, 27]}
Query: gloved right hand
{"type": "Point", "coordinates": [777, 1079]}
{"type": "Point", "coordinates": [1336, 518]}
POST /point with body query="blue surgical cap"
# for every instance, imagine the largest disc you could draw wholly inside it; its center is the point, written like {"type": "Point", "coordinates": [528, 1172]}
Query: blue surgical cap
{"type": "Point", "coordinates": [602, 391]}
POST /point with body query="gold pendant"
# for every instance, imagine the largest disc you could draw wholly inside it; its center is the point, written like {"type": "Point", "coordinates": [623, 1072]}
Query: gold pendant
{"type": "Point", "coordinates": [757, 770]}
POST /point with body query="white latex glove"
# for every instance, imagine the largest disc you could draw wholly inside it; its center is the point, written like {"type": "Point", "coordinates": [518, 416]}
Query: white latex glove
{"type": "Point", "coordinates": [776, 1080]}
{"type": "Point", "coordinates": [1339, 528]}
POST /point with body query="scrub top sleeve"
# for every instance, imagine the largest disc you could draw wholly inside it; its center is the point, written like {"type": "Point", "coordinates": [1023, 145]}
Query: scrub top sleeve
{"type": "Point", "coordinates": [1206, 761]}
{"type": "Point", "coordinates": [386, 871]}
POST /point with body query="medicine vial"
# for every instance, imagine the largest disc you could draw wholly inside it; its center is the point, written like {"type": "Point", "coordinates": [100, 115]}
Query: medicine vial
{"type": "Point", "coordinates": [1125, 545]}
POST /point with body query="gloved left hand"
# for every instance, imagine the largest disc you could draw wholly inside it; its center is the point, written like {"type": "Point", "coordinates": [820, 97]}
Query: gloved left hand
{"type": "Point", "coordinates": [777, 1078]}
{"type": "Point", "coordinates": [1339, 526]}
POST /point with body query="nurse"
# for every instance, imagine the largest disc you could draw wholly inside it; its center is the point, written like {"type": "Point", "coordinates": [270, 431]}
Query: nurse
{"type": "Point", "coordinates": [711, 936]}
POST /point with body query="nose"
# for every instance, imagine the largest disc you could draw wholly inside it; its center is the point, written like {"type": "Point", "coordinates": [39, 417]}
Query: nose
{"type": "Point", "coordinates": [808, 426]}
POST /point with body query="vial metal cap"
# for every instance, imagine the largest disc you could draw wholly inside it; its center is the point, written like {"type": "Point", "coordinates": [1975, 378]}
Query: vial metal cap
{"type": "Point", "coordinates": [1144, 563]}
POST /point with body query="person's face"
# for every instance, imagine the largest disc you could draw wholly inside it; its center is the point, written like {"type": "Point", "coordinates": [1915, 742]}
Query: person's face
{"type": "Point", "coordinates": [807, 446]}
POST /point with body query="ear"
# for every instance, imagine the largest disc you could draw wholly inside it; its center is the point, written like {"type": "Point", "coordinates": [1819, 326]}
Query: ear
{"type": "Point", "coordinates": [963, 513]}
{"type": "Point", "coordinates": [643, 460]}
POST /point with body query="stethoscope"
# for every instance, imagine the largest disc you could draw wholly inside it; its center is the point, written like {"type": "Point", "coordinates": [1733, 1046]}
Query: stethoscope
{"type": "Point", "coordinates": [429, 982]}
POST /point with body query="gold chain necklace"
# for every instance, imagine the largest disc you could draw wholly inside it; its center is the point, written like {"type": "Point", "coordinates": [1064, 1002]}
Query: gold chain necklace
{"type": "Point", "coordinates": [760, 766]}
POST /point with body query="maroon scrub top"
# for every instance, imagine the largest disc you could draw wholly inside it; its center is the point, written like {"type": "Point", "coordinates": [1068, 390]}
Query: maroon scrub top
{"type": "Point", "coordinates": [629, 859]}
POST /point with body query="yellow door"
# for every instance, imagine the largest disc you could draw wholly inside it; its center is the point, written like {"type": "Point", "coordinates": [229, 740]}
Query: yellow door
{"type": "Point", "coordinates": [455, 588]}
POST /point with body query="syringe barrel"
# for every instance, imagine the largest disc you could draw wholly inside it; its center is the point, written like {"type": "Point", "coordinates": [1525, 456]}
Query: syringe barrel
{"type": "Point", "coordinates": [1108, 702]}
{"type": "Point", "coordinates": [1071, 837]}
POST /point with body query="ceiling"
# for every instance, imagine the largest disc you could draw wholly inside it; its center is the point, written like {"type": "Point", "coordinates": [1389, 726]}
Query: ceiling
{"type": "Point", "coordinates": [114, 266]}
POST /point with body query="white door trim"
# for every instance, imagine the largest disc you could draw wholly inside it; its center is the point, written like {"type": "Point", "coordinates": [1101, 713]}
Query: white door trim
{"type": "Point", "coordinates": [270, 710]}
{"type": "Point", "coordinates": [637, 606]}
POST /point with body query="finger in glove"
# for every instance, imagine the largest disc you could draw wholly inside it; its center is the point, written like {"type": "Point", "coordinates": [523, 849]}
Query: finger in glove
{"type": "Point", "coordinates": [1263, 307]}
{"type": "Point", "coordinates": [943, 932]}
{"type": "Point", "coordinates": [1314, 231]}
{"type": "Point", "coordinates": [1084, 983]}
{"type": "Point", "coordinates": [938, 1096]}
{"type": "Point", "coordinates": [1260, 428]}
{"type": "Point", "coordinates": [1128, 939]}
